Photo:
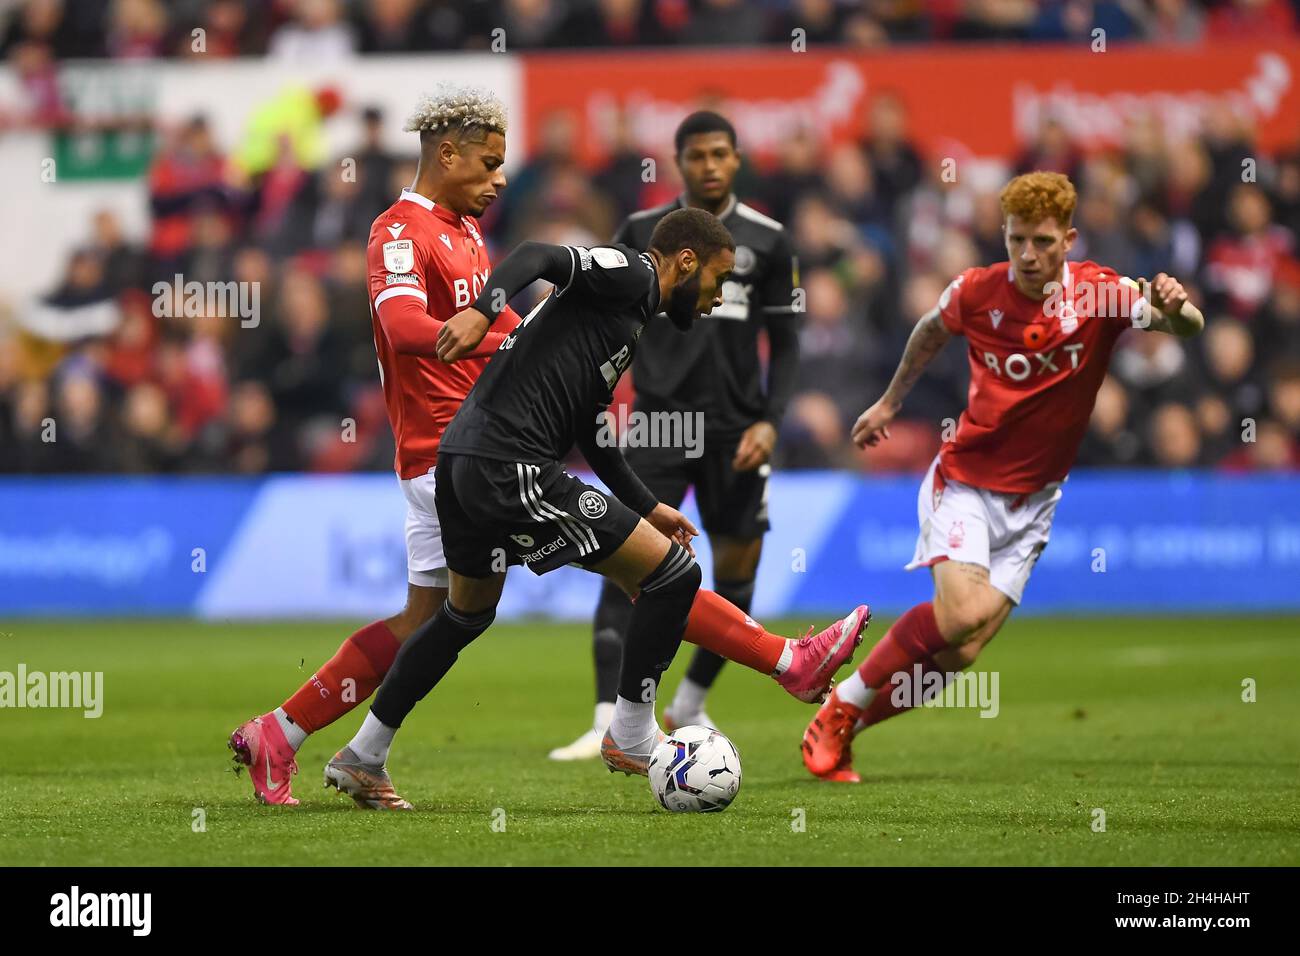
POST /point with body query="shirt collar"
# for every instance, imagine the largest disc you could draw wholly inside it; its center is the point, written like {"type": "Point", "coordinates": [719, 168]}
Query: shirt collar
{"type": "Point", "coordinates": [727, 208]}
{"type": "Point", "coordinates": [410, 195]}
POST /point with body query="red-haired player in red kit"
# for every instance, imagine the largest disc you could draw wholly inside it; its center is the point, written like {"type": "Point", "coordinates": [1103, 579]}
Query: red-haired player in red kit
{"type": "Point", "coordinates": [1040, 332]}
{"type": "Point", "coordinates": [427, 262]}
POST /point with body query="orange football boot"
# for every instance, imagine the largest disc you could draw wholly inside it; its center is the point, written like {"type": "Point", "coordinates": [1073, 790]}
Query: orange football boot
{"type": "Point", "coordinates": [828, 741]}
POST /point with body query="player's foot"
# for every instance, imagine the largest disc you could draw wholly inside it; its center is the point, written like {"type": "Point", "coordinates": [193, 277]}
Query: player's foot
{"type": "Point", "coordinates": [260, 746]}
{"type": "Point", "coordinates": [697, 719]}
{"type": "Point", "coordinates": [844, 773]}
{"type": "Point", "coordinates": [586, 747]}
{"type": "Point", "coordinates": [368, 785]}
{"type": "Point", "coordinates": [827, 742]}
{"type": "Point", "coordinates": [818, 656]}
{"type": "Point", "coordinates": [630, 760]}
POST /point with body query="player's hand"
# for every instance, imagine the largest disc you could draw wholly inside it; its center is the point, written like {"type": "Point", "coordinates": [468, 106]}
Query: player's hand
{"type": "Point", "coordinates": [755, 446]}
{"type": "Point", "coordinates": [873, 425]}
{"type": "Point", "coordinates": [461, 334]}
{"type": "Point", "coordinates": [1168, 294]}
{"type": "Point", "coordinates": [671, 523]}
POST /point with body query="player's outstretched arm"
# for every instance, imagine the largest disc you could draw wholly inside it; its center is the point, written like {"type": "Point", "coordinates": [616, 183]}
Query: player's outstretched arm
{"type": "Point", "coordinates": [530, 261]}
{"type": "Point", "coordinates": [1170, 309]}
{"type": "Point", "coordinates": [927, 338]}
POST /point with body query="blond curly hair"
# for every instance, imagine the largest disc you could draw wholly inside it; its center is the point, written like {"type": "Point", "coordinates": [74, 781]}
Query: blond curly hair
{"type": "Point", "coordinates": [1036, 196]}
{"type": "Point", "coordinates": [450, 107]}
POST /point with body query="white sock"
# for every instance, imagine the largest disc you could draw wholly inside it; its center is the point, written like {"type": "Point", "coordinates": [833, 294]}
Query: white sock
{"type": "Point", "coordinates": [604, 714]}
{"type": "Point", "coordinates": [292, 732]}
{"type": "Point", "coordinates": [373, 740]}
{"type": "Point", "coordinates": [689, 699]}
{"type": "Point", "coordinates": [632, 722]}
{"type": "Point", "coordinates": [787, 658]}
{"type": "Point", "coordinates": [854, 690]}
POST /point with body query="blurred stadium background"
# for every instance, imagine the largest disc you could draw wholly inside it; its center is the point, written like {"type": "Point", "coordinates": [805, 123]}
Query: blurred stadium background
{"type": "Point", "coordinates": [253, 141]}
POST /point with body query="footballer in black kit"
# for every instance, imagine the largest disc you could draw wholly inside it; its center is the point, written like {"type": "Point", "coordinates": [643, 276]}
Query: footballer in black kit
{"type": "Point", "coordinates": [503, 496]}
{"type": "Point", "coordinates": [504, 488]}
{"type": "Point", "coordinates": [711, 372]}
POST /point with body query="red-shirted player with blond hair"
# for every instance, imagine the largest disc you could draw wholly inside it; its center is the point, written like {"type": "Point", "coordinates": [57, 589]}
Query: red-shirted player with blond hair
{"type": "Point", "coordinates": [1040, 333]}
{"type": "Point", "coordinates": [427, 262]}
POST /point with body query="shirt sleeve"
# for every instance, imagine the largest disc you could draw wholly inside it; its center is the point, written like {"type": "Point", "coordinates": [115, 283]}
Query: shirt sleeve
{"type": "Point", "coordinates": [776, 295]}
{"type": "Point", "coordinates": [1122, 301]}
{"type": "Point", "coordinates": [614, 274]}
{"type": "Point", "coordinates": [399, 288]}
{"type": "Point", "coordinates": [950, 303]}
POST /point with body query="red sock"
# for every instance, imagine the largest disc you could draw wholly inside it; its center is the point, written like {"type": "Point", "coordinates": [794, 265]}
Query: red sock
{"type": "Point", "coordinates": [364, 658]}
{"type": "Point", "coordinates": [914, 637]}
{"type": "Point", "coordinates": [882, 706]}
{"type": "Point", "coordinates": [719, 626]}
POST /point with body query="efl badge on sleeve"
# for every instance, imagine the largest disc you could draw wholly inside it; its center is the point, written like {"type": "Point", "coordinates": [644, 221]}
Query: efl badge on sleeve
{"type": "Point", "coordinates": [399, 255]}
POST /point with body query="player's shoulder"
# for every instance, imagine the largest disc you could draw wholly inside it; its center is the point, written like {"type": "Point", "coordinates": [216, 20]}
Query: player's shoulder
{"type": "Point", "coordinates": [637, 228]}
{"type": "Point", "coordinates": [982, 283]}
{"type": "Point", "coordinates": [756, 220]}
{"type": "Point", "coordinates": [396, 224]}
{"type": "Point", "coordinates": [1089, 271]}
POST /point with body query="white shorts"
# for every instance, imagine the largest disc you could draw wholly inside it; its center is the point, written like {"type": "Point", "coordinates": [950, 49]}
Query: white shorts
{"type": "Point", "coordinates": [1002, 532]}
{"type": "Point", "coordinates": [425, 564]}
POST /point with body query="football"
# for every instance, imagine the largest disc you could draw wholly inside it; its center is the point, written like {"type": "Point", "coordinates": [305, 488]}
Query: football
{"type": "Point", "coordinates": [695, 770]}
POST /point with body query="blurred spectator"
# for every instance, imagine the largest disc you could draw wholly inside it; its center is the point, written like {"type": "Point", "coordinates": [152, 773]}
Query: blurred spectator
{"type": "Point", "coordinates": [878, 235]}
{"type": "Point", "coordinates": [1175, 441]}
{"type": "Point", "coordinates": [317, 33]}
{"type": "Point", "coordinates": [1240, 266]}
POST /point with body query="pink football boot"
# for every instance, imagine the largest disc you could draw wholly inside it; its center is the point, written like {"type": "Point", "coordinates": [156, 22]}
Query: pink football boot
{"type": "Point", "coordinates": [818, 656]}
{"type": "Point", "coordinates": [260, 746]}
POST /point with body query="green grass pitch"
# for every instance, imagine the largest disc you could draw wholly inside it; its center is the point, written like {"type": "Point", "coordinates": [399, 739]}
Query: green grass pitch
{"type": "Point", "coordinates": [1141, 718]}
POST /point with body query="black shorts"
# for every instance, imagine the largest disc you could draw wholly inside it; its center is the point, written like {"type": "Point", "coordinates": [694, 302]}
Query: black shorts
{"type": "Point", "coordinates": [732, 503]}
{"type": "Point", "coordinates": [497, 513]}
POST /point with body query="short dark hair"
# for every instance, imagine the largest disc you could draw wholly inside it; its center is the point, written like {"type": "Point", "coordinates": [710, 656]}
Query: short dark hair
{"type": "Point", "coordinates": [693, 229]}
{"type": "Point", "coordinates": [703, 121]}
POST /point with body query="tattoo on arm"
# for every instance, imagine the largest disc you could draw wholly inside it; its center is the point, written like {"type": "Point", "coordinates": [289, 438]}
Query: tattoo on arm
{"type": "Point", "coordinates": [927, 338]}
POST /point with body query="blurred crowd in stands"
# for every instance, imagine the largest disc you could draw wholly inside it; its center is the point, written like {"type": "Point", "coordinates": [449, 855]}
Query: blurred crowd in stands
{"type": "Point", "coordinates": [877, 233]}
{"type": "Point", "coordinates": [323, 29]}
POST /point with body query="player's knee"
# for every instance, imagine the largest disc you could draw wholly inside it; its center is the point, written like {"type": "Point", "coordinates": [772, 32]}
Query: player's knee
{"type": "Point", "coordinates": [962, 619]}
{"type": "Point", "coordinates": [677, 578]}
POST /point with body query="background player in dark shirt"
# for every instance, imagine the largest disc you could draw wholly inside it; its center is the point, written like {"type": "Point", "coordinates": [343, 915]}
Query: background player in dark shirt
{"type": "Point", "coordinates": [503, 496]}
{"type": "Point", "coordinates": [712, 371]}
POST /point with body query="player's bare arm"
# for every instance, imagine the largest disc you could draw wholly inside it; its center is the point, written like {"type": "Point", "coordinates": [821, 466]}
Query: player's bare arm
{"type": "Point", "coordinates": [927, 338]}
{"type": "Point", "coordinates": [1171, 311]}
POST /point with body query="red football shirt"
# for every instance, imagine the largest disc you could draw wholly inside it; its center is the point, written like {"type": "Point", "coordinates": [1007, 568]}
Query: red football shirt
{"type": "Point", "coordinates": [426, 263]}
{"type": "Point", "coordinates": [1035, 371]}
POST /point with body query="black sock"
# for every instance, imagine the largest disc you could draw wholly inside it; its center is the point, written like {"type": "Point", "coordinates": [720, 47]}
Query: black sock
{"type": "Point", "coordinates": [706, 665]}
{"type": "Point", "coordinates": [658, 623]}
{"type": "Point", "coordinates": [608, 631]}
{"type": "Point", "coordinates": [424, 658]}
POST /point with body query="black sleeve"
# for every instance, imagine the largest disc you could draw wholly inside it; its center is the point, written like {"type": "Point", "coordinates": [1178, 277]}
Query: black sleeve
{"type": "Point", "coordinates": [782, 366]}
{"type": "Point", "coordinates": [614, 274]}
{"type": "Point", "coordinates": [781, 314]}
{"type": "Point", "coordinates": [607, 461]}
{"type": "Point", "coordinates": [776, 295]}
{"type": "Point", "coordinates": [529, 262]}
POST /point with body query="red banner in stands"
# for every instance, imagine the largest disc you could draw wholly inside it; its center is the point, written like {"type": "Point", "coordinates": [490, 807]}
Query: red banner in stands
{"type": "Point", "coordinates": [961, 101]}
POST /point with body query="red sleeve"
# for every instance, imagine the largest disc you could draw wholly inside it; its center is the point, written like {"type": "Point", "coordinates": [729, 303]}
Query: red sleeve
{"type": "Point", "coordinates": [411, 330]}
{"type": "Point", "coordinates": [950, 302]}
